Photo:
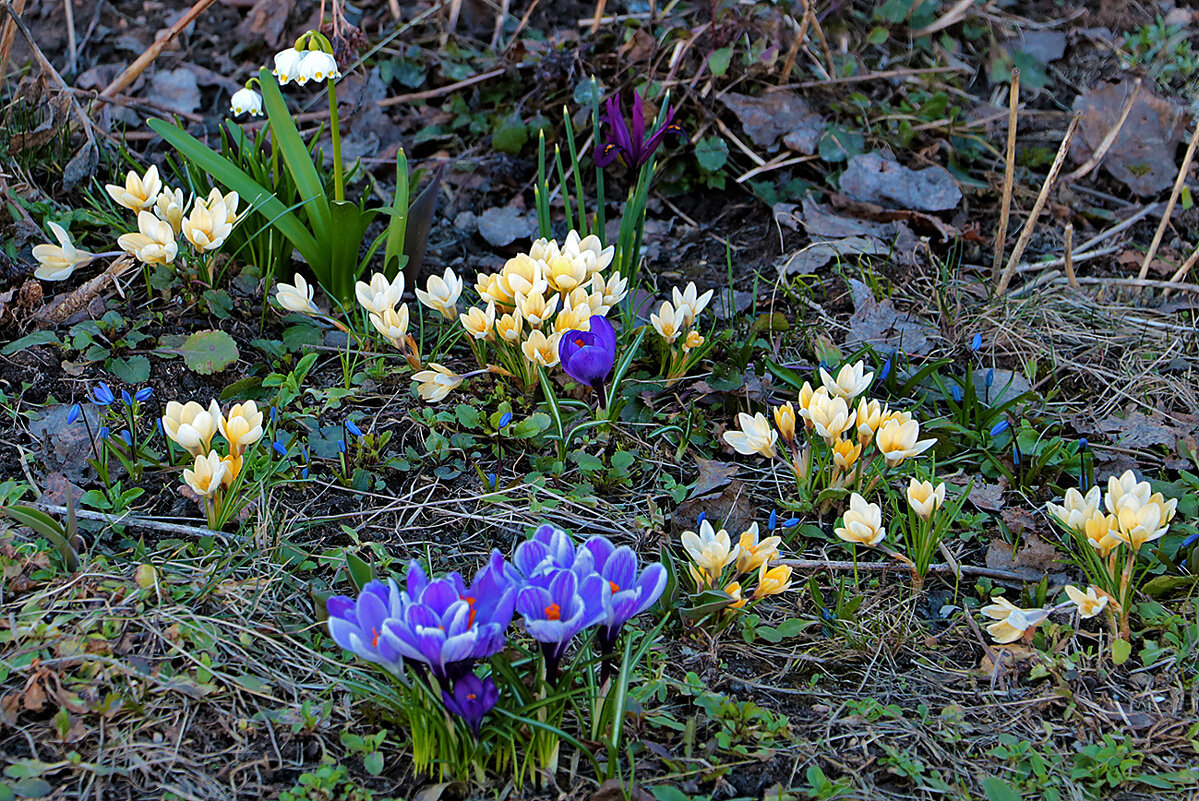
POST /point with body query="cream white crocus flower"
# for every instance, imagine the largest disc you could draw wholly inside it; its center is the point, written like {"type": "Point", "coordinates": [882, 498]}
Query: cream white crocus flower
{"type": "Point", "coordinates": [242, 427]}
{"type": "Point", "coordinates": [830, 416]}
{"type": "Point", "coordinates": [57, 262]}
{"type": "Point", "coordinates": [246, 101]}
{"type": "Point", "coordinates": [207, 228]}
{"type": "Point", "coordinates": [317, 65]}
{"type": "Point", "coordinates": [711, 551]}
{"type": "Point", "coordinates": [479, 322]}
{"type": "Point", "coordinates": [535, 308]}
{"type": "Point", "coordinates": [772, 580]}
{"type": "Point", "coordinates": [784, 420]}
{"type": "Point", "coordinates": [231, 201]}
{"type": "Point", "coordinates": [140, 192]}
{"type": "Point", "coordinates": [577, 318]}
{"type": "Point", "coordinates": [296, 297]}
{"type": "Point", "coordinates": [1076, 508]}
{"type": "Point", "coordinates": [692, 341]}
{"type": "Point", "coordinates": [522, 275]}
{"type": "Point", "coordinates": [589, 248]}
{"type": "Point", "coordinates": [565, 272]}
{"type": "Point", "coordinates": [190, 426]}
{"type": "Point", "coordinates": [924, 498]}
{"type": "Point", "coordinates": [1126, 490]}
{"type": "Point", "coordinates": [689, 303]}
{"type": "Point", "coordinates": [898, 441]}
{"type": "Point", "coordinates": [755, 436]}
{"type": "Point", "coordinates": [870, 417]}
{"type": "Point", "coordinates": [1089, 603]}
{"type": "Point", "coordinates": [1140, 524]}
{"type": "Point", "coordinates": [435, 383]}
{"type": "Point", "coordinates": [753, 552]}
{"type": "Point", "coordinates": [862, 523]}
{"type": "Point", "coordinates": [154, 242]}
{"type": "Point", "coordinates": [1011, 622]}
{"type": "Point", "coordinates": [393, 324]}
{"type": "Point", "coordinates": [380, 294]}
{"type": "Point", "coordinates": [668, 322]}
{"type": "Point", "coordinates": [287, 67]}
{"type": "Point", "coordinates": [846, 453]}
{"type": "Point", "coordinates": [851, 381]}
{"type": "Point", "coordinates": [169, 206]}
{"type": "Point", "coordinates": [441, 293]}
{"type": "Point", "coordinates": [612, 291]}
{"type": "Point", "coordinates": [509, 326]}
{"type": "Point", "coordinates": [1102, 532]}
{"type": "Point", "coordinates": [206, 474]}
{"type": "Point", "coordinates": [540, 349]}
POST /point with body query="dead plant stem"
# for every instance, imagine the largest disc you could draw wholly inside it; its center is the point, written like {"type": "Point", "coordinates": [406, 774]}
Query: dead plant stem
{"type": "Point", "coordinates": [1178, 182]}
{"type": "Point", "coordinates": [129, 75]}
{"type": "Point", "coordinates": [1009, 170]}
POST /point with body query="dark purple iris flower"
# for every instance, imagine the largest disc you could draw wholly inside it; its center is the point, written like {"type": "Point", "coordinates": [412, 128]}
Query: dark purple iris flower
{"type": "Point", "coordinates": [633, 591]}
{"type": "Point", "coordinates": [357, 625]}
{"type": "Point", "coordinates": [588, 356]}
{"type": "Point", "coordinates": [629, 141]}
{"type": "Point", "coordinates": [472, 699]}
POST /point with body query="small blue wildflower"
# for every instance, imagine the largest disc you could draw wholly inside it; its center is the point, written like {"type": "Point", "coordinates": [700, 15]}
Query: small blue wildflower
{"type": "Point", "coordinates": [353, 428]}
{"type": "Point", "coordinates": [304, 471]}
{"type": "Point", "coordinates": [104, 432]}
{"type": "Point", "coordinates": [1083, 444]}
{"type": "Point", "coordinates": [103, 394]}
{"type": "Point", "coordinates": [700, 518]}
{"type": "Point", "coordinates": [990, 377]}
{"type": "Point", "coordinates": [125, 435]}
{"type": "Point", "coordinates": [126, 398]}
{"type": "Point", "coordinates": [773, 520]}
{"type": "Point", "coordinates": [1191, 540]}
{"type": "Point", "coordinates": [956, 392]}
{"type": "Point", "coordinates": [491, 479]}
{"type": "Point", "coordinates": [1015, 453]}
{"type": "Point", "coordinates": [791, 522]}
{"type": "Point", "coordinates": [1000, 427]}
{"type": "Point", "coordinates": [341, 446]}
{"type": "Point", "coordinates": [274, 414]}
{"type": "Point", "coordinates": [505, 419]}
{"type": "Point", "coordinates": [74, 413]}
{"type": "Point", "coordinates": [143, 394]}
{"type": "Point", "coordinates": [976, 343]}
{"type": "Point", "coordinates": [158, 424]}
{"type": "Point", "coordinates": [886, 371]}
{"type": "Point", "coordinates": [279, 447]}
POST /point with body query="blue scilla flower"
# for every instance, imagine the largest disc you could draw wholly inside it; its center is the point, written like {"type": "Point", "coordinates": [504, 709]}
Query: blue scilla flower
{"type": "Point", "coordinates": [886, 371]}
{"type": "Point", "coordinates": [956, 392]}
{"type": "Point", "coordinates": [491, 480]}
{"type": "Point", "coordinates": [125, 435]}
{"type": "Point", "coordinates": [126, 398]}
{"type": "Point", "coordinates": [990, 378]}
{"type": "Point", "coordinates": [279, 447]}
{"type": "Point", "coordinates": [700, 517]}
{"type": "Point", "coordinates": [341, 446]}
{"type": "Point", "coordinates": [773, 520]}
{"type": "Point", "coordinates": [274, 414]}
{"type": "Point", "coordinates": [74, 413]}
{"type": "Point", "coordinates": [353, 428]}
{"type": "Point", "coordinates": [976, 343]}
{"type": "Point", "coordinates": [143, 394]}
{"type": "Point", "coordinates": [104, 432]}
{"type": "Point", "coordinates": [1191, 540]}
{"type": "Point", "coordinates": [1000, 427]}
{"type": "Point", "coordinates": [505, 419]}
{"type": "Point", "coordinates": [1083, 444]}
{"type": "Point", "coordinates": [791, 522]}
{"type": "Point", "coordinates": [102, 394]}
{"type": "Point", "coordinates": [1015, 453]}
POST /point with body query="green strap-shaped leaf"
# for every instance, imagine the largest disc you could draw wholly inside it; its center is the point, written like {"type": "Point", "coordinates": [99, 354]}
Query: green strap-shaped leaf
{"type": "Point", "coordinates": [225, 172]}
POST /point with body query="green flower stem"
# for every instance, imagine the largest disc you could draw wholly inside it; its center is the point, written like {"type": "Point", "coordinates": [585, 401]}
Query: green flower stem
{"type": "Point", "coordinates": [339, 188]}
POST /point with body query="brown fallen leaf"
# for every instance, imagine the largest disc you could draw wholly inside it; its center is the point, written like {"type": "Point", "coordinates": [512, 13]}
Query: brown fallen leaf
{"type": "Point", "coordinates": [883, 327]}
{"type": "Point", "coordinates": [712, 475]}
{"type": "Point", "coordinates": [1142, 155]}
{"type": "Point", "coordinates": [921, 222]}
{"type": "Point", "coordinates": [730, 509]}
{"type": "Point", "coordinates": [265, 21]}
{"type": "Point", "coordinates": [616, 790]}
{"type": "Point", "coordinates": [775, 115]}
{"type": "Point", "coordinates": [988, 497]}
{"type": "Point", "coordinates": [1136, 430]}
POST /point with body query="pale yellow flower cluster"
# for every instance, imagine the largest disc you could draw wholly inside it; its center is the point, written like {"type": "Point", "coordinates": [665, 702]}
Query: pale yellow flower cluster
{"type": "Point", "coordinates": [192, 427]}
{"type": "Point", "coordinates": [162, 216]}
{"type": "Point", "coordinates": [1135, 514]}
{"type": "Point", "coordinates": [829, 413]}
{"type": "Point", "coordinates": [675, 318]}
{"type": "Point", "coordinates": [712, 551]}
{"type": "Point", "coordinates": [540, 295]}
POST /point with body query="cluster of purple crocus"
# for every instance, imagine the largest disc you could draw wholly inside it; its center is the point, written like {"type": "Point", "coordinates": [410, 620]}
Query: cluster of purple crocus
{"type": "Point", "coordinates": [446, 627]}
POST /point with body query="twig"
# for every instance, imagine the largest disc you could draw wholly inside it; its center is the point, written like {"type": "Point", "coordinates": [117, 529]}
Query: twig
{"type": "Point", "coordinates": [598, 16]}
{"type": "Point", "coordinates": [1109, 139]}
{"type": "Point", "coordinates": [1178, 182]}
{"type": "Point", "coordinates": [6, 37]}
{"type": "Point", "coordinates": [1069, 256]}
{"type": "Point", "coordinates": [828, 54]}
{"type": "Point", "coordinates": [1030, 224]}
{"type": "Point", "coordinates": [1182, 271]}
{"type": "Point", "coordinates": [789, 62]}
{"type": "Point", "coordinates": [828, 564]}
{"type": "Point", "coordinates": [122, 81]}
{"type": "Point", "coordinates": [138, 522]}
{"type": "Point", "coordinates": [68, 7]}
{"type": "Point", "coordinates": [1009, 170]}
{"type": "Point", "coordinates": [950, 17]}
{"type": "Point", "coordinates": [882, 75]}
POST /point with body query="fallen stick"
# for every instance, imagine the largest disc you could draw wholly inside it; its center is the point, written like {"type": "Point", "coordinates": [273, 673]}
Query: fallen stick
{"type": "Point", "coordinates": [134, 521]}
{"type": "Point", "coordinates": [129, 75]}
{"type": "Point", "coordinates": [943, 567]}
{"type": "Point", "coordinates": [6, 36]}
{"type": "Point", "coordinates": [1068, 257]}
{"type": "Point", "coordinates": [1009, 171]}
{"type": "Point", "coordinates": [1182, 271]}
{"type": "Point", "coordinates": [1031, 223]}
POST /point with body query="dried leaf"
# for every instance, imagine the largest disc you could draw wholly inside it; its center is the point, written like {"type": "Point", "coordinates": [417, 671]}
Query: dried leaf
{"type": "Point", "coordinates": [266, 21]}
{"type": "Point", "coordinates": [776, 115]}
{"type": "Point", "coordinates": [712, 475]}
{"type": "Point", "coordinates": [1139, 431]}
{"type": "Point", "coordinates": [503, 226]}
{"type": "Point", "coordinates": [176, 90]}
{"type": "Point", "coordinates": [873, 178]}
{"type": "Point", "coordinates": [883, 327]}
{"type": "Point", "coordinates": [1142, 155]}
{"type": "Point", "coordinates": [731, 509]}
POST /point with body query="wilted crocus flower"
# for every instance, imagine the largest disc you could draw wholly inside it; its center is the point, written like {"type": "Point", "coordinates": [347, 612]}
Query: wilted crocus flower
{"type": "Point", "coordinates": [1011, 622]}
{"type": "Point", "coordinates": [588, 356]}
{"type": "Point", "coordinates": [632, 592]}
{"type": "Point", "coordinates": [472, 699]}
{"type": "Point", "coordinates": [628, 141]}
{"type": "Point", "coordinates": [357, 626]}
{"type": "Point", "coordinates": [557, 605]}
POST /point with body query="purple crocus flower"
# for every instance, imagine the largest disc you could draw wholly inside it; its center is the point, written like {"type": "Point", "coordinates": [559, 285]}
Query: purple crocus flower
{"type": "Point", "coordinates": [631, 593]}
{"type": "Point", "coordinates": [549, 548]}
{"type": "Point", "coordinates": [588, 356]}
{"type": "Point", "coordinates": [558, 604]}
{"type": "Point", "coordinates": [357, 626]}
{"type": "Point", "coordinates": [472, 699]}
{"type": "Point", "coordinates": [492, 598]}
{"type": "Point", "coordinates": [630, 143]}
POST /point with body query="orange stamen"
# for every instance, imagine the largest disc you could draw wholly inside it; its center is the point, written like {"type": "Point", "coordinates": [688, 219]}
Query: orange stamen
{"type": "Point", "coordinates": [552, 612]}
{"type": "Point", "coordinates": [615, 587]}
{"type": "Point", "coordinates": [375, 639]}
